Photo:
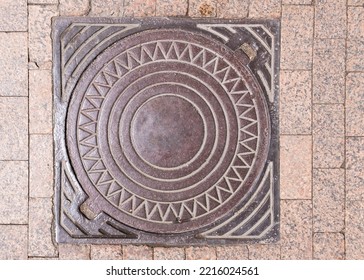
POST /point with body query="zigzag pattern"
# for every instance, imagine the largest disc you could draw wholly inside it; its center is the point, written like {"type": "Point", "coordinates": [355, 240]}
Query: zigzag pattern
{"type": "Point", "coordinates": [262, 36]}
{"type": "Point", "coordinates": [152, 210]}
{"type": "Point", "coordinates": [255, 219]}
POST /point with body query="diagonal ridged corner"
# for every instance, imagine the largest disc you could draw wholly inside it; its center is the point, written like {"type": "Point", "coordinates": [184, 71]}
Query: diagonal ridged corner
{"type": "Point", "coordinates": [166, 131]}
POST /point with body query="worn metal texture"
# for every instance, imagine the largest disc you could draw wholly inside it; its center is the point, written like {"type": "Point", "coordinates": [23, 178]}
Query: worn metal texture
{"type": "Point", "coordinates": [166, 131]}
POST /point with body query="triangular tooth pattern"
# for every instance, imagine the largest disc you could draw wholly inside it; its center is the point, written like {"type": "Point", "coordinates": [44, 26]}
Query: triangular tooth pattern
{"type": "Point", "coordinates": [141, 211]}
{"type": "Point", "coordinates": [95, 177]}
{"type": "Point", "coordinates": [247, 163]}
{"type": "Point", "coordinates": [189, 206]}
{"type": "Point", "coordinates": [111, 78]}
{"type": "Point", "coordinates": [172, 53]}
{"type": "Point", "coordinates": [198, 59]}
{"type": "Point", "coordinates": [92, 154]}
{"type": "Point", "coordinates": [101, 88]}
{"type": "Point", "coordinates": [89, 127]}
{"type": "Point", "coordinates": [165, 46]}
{"type": "Point", "coordinates": [95, 100]}
{"type": "Point", "coordinates": [97, 167]}
{"type": "Point", "coordinates": [121, 67]}
{"type": "Point", "coordinates": [169, 215]}
{"type": "Point", "coordinates": [126, 201]}
{"type": "Point", "coordinates": [149, 49]}
{"type": "Point", "coordinates": [91, 114]}
{"type": "Point", "coordinates": [221, 74]}
{"type": "Point", "coordinates": [224, 186]}
{"type": "Point", "coordinates": [159, 54]}
{"type": "Point", "coordinates": [213, 195]}
{"type": "Point", "coordinates": [234, 184]}
{"type": "Point", "coordinates": [211, 66]}
{"type": "Point", "coordinates": [156, 215]}
{"type": "Point", "coordinates": [150, 208]}
{"type": "Point", "coordinates": [114, 189]}
{"type": "Point", "coordinates": [185, 55]}
{"type": "Point", "coordinates": [111, 69]}
{"type": "Point", "coordinates": [177, 209]}
{"type": "Point", "coordinates": [202, 201]}
{"type": "Point", "coordinates": [90, 141]}
{"type": "Point", "coordinates": [137, 202]}
{"type": "Point", "coordinates": [180, 48]}
{"type": "Point", "coordinates": [105, 179]}
{"type": "Point", "coordinates": [223, 194]}
{"type": "Point", "coordinates": [133, 60]}
{"type": "Point", "coordinates": [164, 211]}
{"type": "Point", "coordinates": [221, 66]}
{"type": "Point", "coordinates": [122, 62]}
{"type": "Point", "coordinates": [194, 51]}
{"type": "Point", "coordinates": [146, 56]}
{"type": "Point", "coordinates": [101, 79]}
{"type": "Point", "coordinates": [249, 114]}
{"type": "Point", "coordinates": [207, 58]}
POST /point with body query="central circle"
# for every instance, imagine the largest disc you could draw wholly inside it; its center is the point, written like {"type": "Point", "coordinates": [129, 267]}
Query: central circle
{"type": "Point", "coordinates": [167, 131]}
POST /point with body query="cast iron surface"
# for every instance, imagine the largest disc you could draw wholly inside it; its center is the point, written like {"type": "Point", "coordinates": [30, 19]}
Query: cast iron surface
{"type": "Point", "coordinates": [166, 131]}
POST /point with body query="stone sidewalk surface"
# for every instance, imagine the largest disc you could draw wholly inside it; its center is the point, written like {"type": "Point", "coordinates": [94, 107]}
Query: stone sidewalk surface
{"type": "Point", "coordinates": [321, 126]}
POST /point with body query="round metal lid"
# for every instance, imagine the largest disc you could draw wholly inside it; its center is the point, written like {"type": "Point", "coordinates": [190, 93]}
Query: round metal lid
{"type": "Point", "coordinates": [167, 130]}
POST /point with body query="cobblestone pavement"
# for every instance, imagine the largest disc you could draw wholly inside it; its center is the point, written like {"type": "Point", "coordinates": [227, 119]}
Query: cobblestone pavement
{"type": "Point", "coordinates": [321, 124]}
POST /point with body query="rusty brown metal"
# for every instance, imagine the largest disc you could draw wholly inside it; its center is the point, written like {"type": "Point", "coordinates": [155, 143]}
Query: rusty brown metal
{"type": "Point", "coordinates": [166, 131]}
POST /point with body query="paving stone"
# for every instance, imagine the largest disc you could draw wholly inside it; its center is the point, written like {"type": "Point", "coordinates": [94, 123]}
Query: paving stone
{"type": "Point", "coordinates": [13, 64]}
{"type": "Point", "coordinates": [40, 101]}
{"type": "Point", "coordinates": [170, 253]}
{"type": "Point", "coordinates": [265, 8]}
{"type": "Point", "coordinates": [13, 15]}
{"type": "Point", "coordinates": [329, 71]}
{"type": "Point", "coordinates": [355, 2]}
{"type": "Point", "coordinates": [139, 8]}
{"type": "Point", "coordinates": [40, 44]}
{"type": "Point", "coordinates": [264, 252]}
{"type": "Point", "coordinates": [107, 8]}
{"type": "Point", "coordinates": [295, 98]}
{"type": "Point", "coordinates": [40, 228]}
{"type": "Point", "coordinates": [328, 200]}
{"type": "Point", "coordinates": [200, 253]}
{"type": "Point", "coordinates": [14, 128]}
{"type": "Point", "coordinates": [328, 246]}
{"type": "Point", "coordinates": [171, 8]}
{"type": "Point", "coordinates": [355, 42]}
{"type": "Point", "coordinates": [330, 19]}
{"type": "Point", "coordinates": [106, 252]}
{"type": "Point", "coordinates": [232, 9]}
{"type": "Point", "coordinates": [296, 2]}
{"type": "Point", "coordinates": [41, 166]}
{"type": "Point", "coordinates": [296, 229]}
{"type": "Point", "coordinates": [355, 104]}
{"type": "Point", "coordinates": [43, 258]}
{"type": "Point", "coordinates": [43, 1]}
{"type": "Point", "coordinates": [131, 252]}
{"type": "Point", "coordinates": [297, 37]}
{"type": "Point", "coordinates": [74, 7]}
{"type": "Point", "coordinates": [202, 8]}
{"type": "Point", "coordinates": [74, 252]}
{"type": "Point", "coordinates": [13, 242]}
{"type": "Point", "coordinates": [296, 174]}
{"type": "Point", "coordinates": [14, 192]}
{"type": "Point", "coordinates": [354, 232]}
{"type": "Point", "coordinates": [328, 136]}
{"type": "Point", "coordinates": [355, 168]}
{"type": "Point", "coordinates": [232, 252]}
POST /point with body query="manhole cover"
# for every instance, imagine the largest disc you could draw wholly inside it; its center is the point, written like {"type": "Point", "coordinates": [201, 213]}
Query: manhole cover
{"type": "Point", "coordinates": [166, 130]}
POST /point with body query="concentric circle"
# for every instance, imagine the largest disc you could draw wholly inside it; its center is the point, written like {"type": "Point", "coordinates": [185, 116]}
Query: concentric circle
{"type": "Point", "coordinates": [170, 130]}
